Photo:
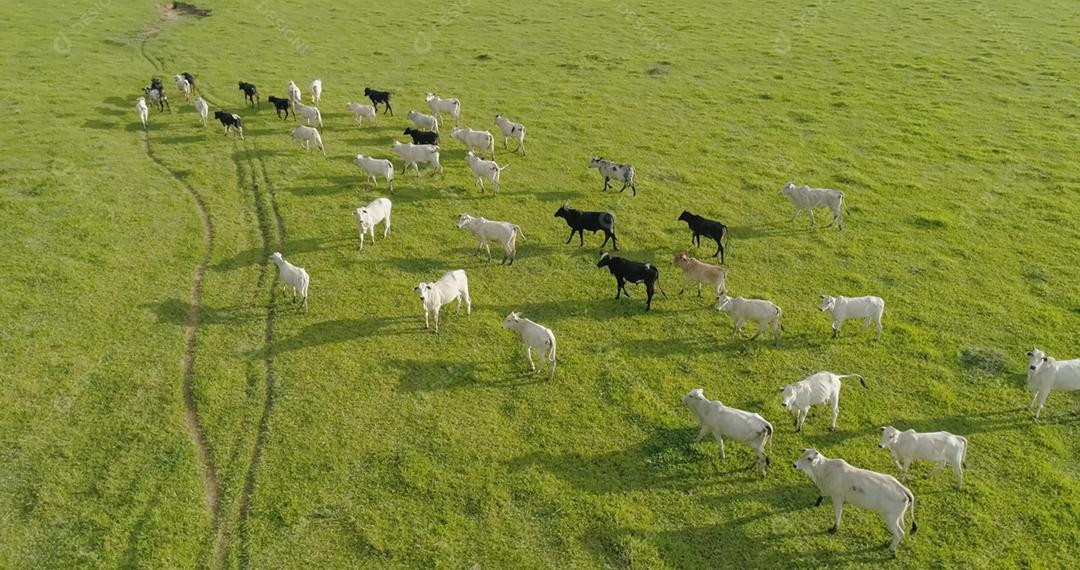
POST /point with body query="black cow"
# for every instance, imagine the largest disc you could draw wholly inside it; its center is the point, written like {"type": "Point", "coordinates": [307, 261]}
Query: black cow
{"type": "Point", "coordinates": [625, 271]}
{"type": "Point", "coordinates": [705, 227]}
{"type": "Point", "coordinates": [156, 94]}
{"type": "Point", "coordinates": [230, 121]}
{"type": "Point", "coordinates": [593, 221]}
{"type": "Point", "coordinates": [422, 137]}
{"type": "Point", "coordinates": [379, 97]}
{"type": "Point", "coordinates": [281, 105]}
{"type": "Point", "coordinates": [190, 79]}
{"type": "Point", "coordinates": [251, 94]}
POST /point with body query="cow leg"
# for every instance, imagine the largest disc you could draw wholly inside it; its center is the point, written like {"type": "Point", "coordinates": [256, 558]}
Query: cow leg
{"type": "Point", "coordinates": [905, 469]}
{"type": "Point", "coordinates": [528, 356]}
{"type": "Point", "coordinates": [436, 320]}
{"type": "Point", "coordinates": [801, 419]}
{"type": "Point", "coordinates": [797, 212]}
{"type": "Point", "coordinates": [738, 327]}
{"type": "Point", "coordinates": [699, 290]}
{"type": "Point", "coordinates": [1043, 394]}
{"type": "Point", "coordinates": [835, 412]}
{"type": "Point", "coordinates": [865, 325]}
{"type": "Point", "coordinates": [649, 290]}
{"type": "Point", "coordinates": [719, 250]}
{"type": "Point", "coordinates": [836, 328]}
{"type": "Point", "coordinates": [838, 509]}
{"type": "Point", "coordinates": [571, 235]}
{"type": "Point", "coordinates": [624, 184]}
{"type": "Point", "coordinates": [618, 287]}
{"type": "Point", "coordinates": [879, 329]}
{"type": "Point", "coordinates": [701, 434]}
{"type": "Point", "coordinates": [817, 503]}
{"type": "Point", "coordinates": [607, 236]}
{"type": "Point", "coordinates": [720, 442]}
{"type": "Point", "coordinates": [606, 183]}
{"type": "Point", "coordinates": [427, 324]}
{"type": "Point", "coordinates": [958, 469]}
{"type": "Point", "coordinates": [896, 527]}
{"type": "Point", "coordinates": [940, 467]}
{"type": "Point", "coordinates": [813, 220]}
{"type": "Point", "coordinates": [487, 247]}
{"type": "Point", "coordinates": [581, 238]}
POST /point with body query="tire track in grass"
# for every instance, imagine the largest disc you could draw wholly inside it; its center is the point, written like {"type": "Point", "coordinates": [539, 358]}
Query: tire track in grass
{"type": "Point", "coordinates": [203, 452]}
{"type": "Point", "coordinates": [269, 223]}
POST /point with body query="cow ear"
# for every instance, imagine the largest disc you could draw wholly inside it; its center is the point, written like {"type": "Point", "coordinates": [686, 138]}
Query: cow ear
{"type": "Point", "coordinates": [882, 429]}
{"type": "Point", "coordinates": [780, 389]}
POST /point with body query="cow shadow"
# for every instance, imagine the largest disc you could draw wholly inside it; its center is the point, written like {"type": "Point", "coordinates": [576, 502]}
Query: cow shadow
{"type": "Point", "coordinates": [102, 125]}
{"type": "Point", "coordinates": [175, 312]}
{"type": "Point", "coordinates": [258, 255]}
{"type": "Point", "coordinates": [433, 375]}
{"type": "Point", "coordinates": [181, 139]}
{"type": "Point", "coordinates": [343, 330]}
{"type": "Point", "coordinates": [591, 309]}
{"type": "Point", "coordinates": [767, 230]}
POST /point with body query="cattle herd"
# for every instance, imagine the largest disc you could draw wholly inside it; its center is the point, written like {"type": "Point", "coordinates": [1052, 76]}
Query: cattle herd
{"type": "Point", "coordinates": [834, 478]}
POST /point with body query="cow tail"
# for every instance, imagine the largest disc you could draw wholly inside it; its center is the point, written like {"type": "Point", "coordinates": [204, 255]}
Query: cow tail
{"type": "Point", "coordinates": [911, 498]}
{"type": "Point", "coordinates": [963, 452]}
{"type": "Point", "coordinates": [843, 203]}
{"type": "Point", "coordinates": [520, 233]}
{"type": "Point", "coordinates": [657, 273]}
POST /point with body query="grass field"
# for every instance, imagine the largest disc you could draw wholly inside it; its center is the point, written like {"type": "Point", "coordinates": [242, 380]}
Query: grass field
{"type": "Point", "coordinates": [166, 407]}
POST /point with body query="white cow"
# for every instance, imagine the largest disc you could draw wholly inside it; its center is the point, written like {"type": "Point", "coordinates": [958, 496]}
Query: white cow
{"type": "Point", "coordinates": [765, 313]}
{"type": "Point", "coordinates": [142, 110]}
{"type": "Point", "coordinates": [294, 93]}
{"type": "Point", "coordinates": [511, 130]}
{"type": "Point", "coordinates": [412, 154]}
{"type": "Point", "coordinates": [453, 286]}
{"type": "Point", "coordinates": [369, 216]}
{"type": "Point", "coordinates": [695, 271]}
{"type": "Point", "coordinates": [487, 231]}
{"type": "Point", "coordinates": [807, 198]}
{"type": "Point", "coordinates": [423, 122]}
{"type": "Point", "coordinates": [842, 308]}
{"type": "Point", "coordinates": [203, 109]}
{"type": "Point", "coordinates": [879, 492]}
{"type": "Point", "coordinates": [375, 167]}
{"type": "Point", "coordinates": [536, 336]}
{"type": "Point", "coordinates": [439, 106]}
{"type": "Point", "coordinates": [1046, 373]}
{"type": "Point", "coordinates": [316, 90]}
{"type": "Point", "coordinates": [819, 388]}
{"type": "Point", "coordinates": [292, 277]}
{"type": "Point", "coordinates": [309, 113]}
{"type": "Point", "coordinates": [485, 169]}
{"type": "Point", "coordinates": [719, 420]}
{"type": "Point", "coordinates": [940, 447]}
{"type": "Point", "coordinates": [306, 136]}
{"type": "Point", "coordinates": [482, 140]}
{"type": "Point", "coordinates": [360, 112]}
{"type": "Point", "coordinates": [183, 86]}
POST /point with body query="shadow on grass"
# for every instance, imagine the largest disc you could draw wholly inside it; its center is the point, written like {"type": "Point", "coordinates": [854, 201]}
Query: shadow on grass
{"type": "Point", "coordinates": [769, 230]}
{"type": "Point", "coordinates": [666, 459]}
{"type": "Point", "coordinates": [986, 422]}
{"type": "Point", "coordinates": [102, 125]}
{"type": "Point", "coordinates": [342, 330]}
{"type": "Point", "coordinates": [590, 308]}
{"type": "Point", "coordinates": [181, 139]}
{"type": "Point", "coordinates": [257, 255]}
{"type": "Point", "coordinates": [430, 375]}
{"type": "Point", "coordinates": [175, 311]}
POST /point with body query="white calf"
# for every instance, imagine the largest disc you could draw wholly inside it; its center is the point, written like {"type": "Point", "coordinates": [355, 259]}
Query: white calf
{"type": "Point", "coordinates": [183, 86]}
{"type": "Point", "coordinates": [511, 130]}
{"type": "Point", "coordinates": [879, 492]}
{"type": "Point", "coordinates": [142, 110]}
{"type": "Point", "coordinates": [294, 93]}
{"type": "Point", "coordinates": [203, 109]}
{"type": "Point", "coordinates": [940, 447]}
{"type": "Point", "coordinates": [412, 154]}
{"type": "Point", "coordinates": [316, 90]}
{"type": "Point", "coordinates": [695, 271]}
{"type": "Point", "coordinates": [453, 286]}
{"type": "Point", "coordinates": [306, 136]}
{"type": "Point", "coordinates": [309, 113]}
{"type": "Point", "coordinates": [765, 313]}
{"type": "Point", "coordinates": [719, 420]}
{"type": "Point", "coordinates": [807, 198]}
{"type": "Point", "coordinates": [842, 308]}
{"type": "Point", "coordinates": [1046, 373]}
{"type": "Point", "coordinates": [375, 167]}
{"type": "Point", "coordinates": [481, 140]}
{"type": "Point", "coordinates": [486, 231]}
{"type": "Point", "coordinates": [368, 216]}
{"type": "Point", "coordinates": [485, 169]}
{"type": "Point", "coordinates": [439, 106]}
{"type": "Point", "coordinates": [360, 112]}
{"type": "Point", "coordinates": [536, 336]}
{"type": "Point", "coordinates": [292, 277]}
{"type": "Point", "coordinates": [423, 122]}
{"type": "Point", "coordinates": [820, 388]}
